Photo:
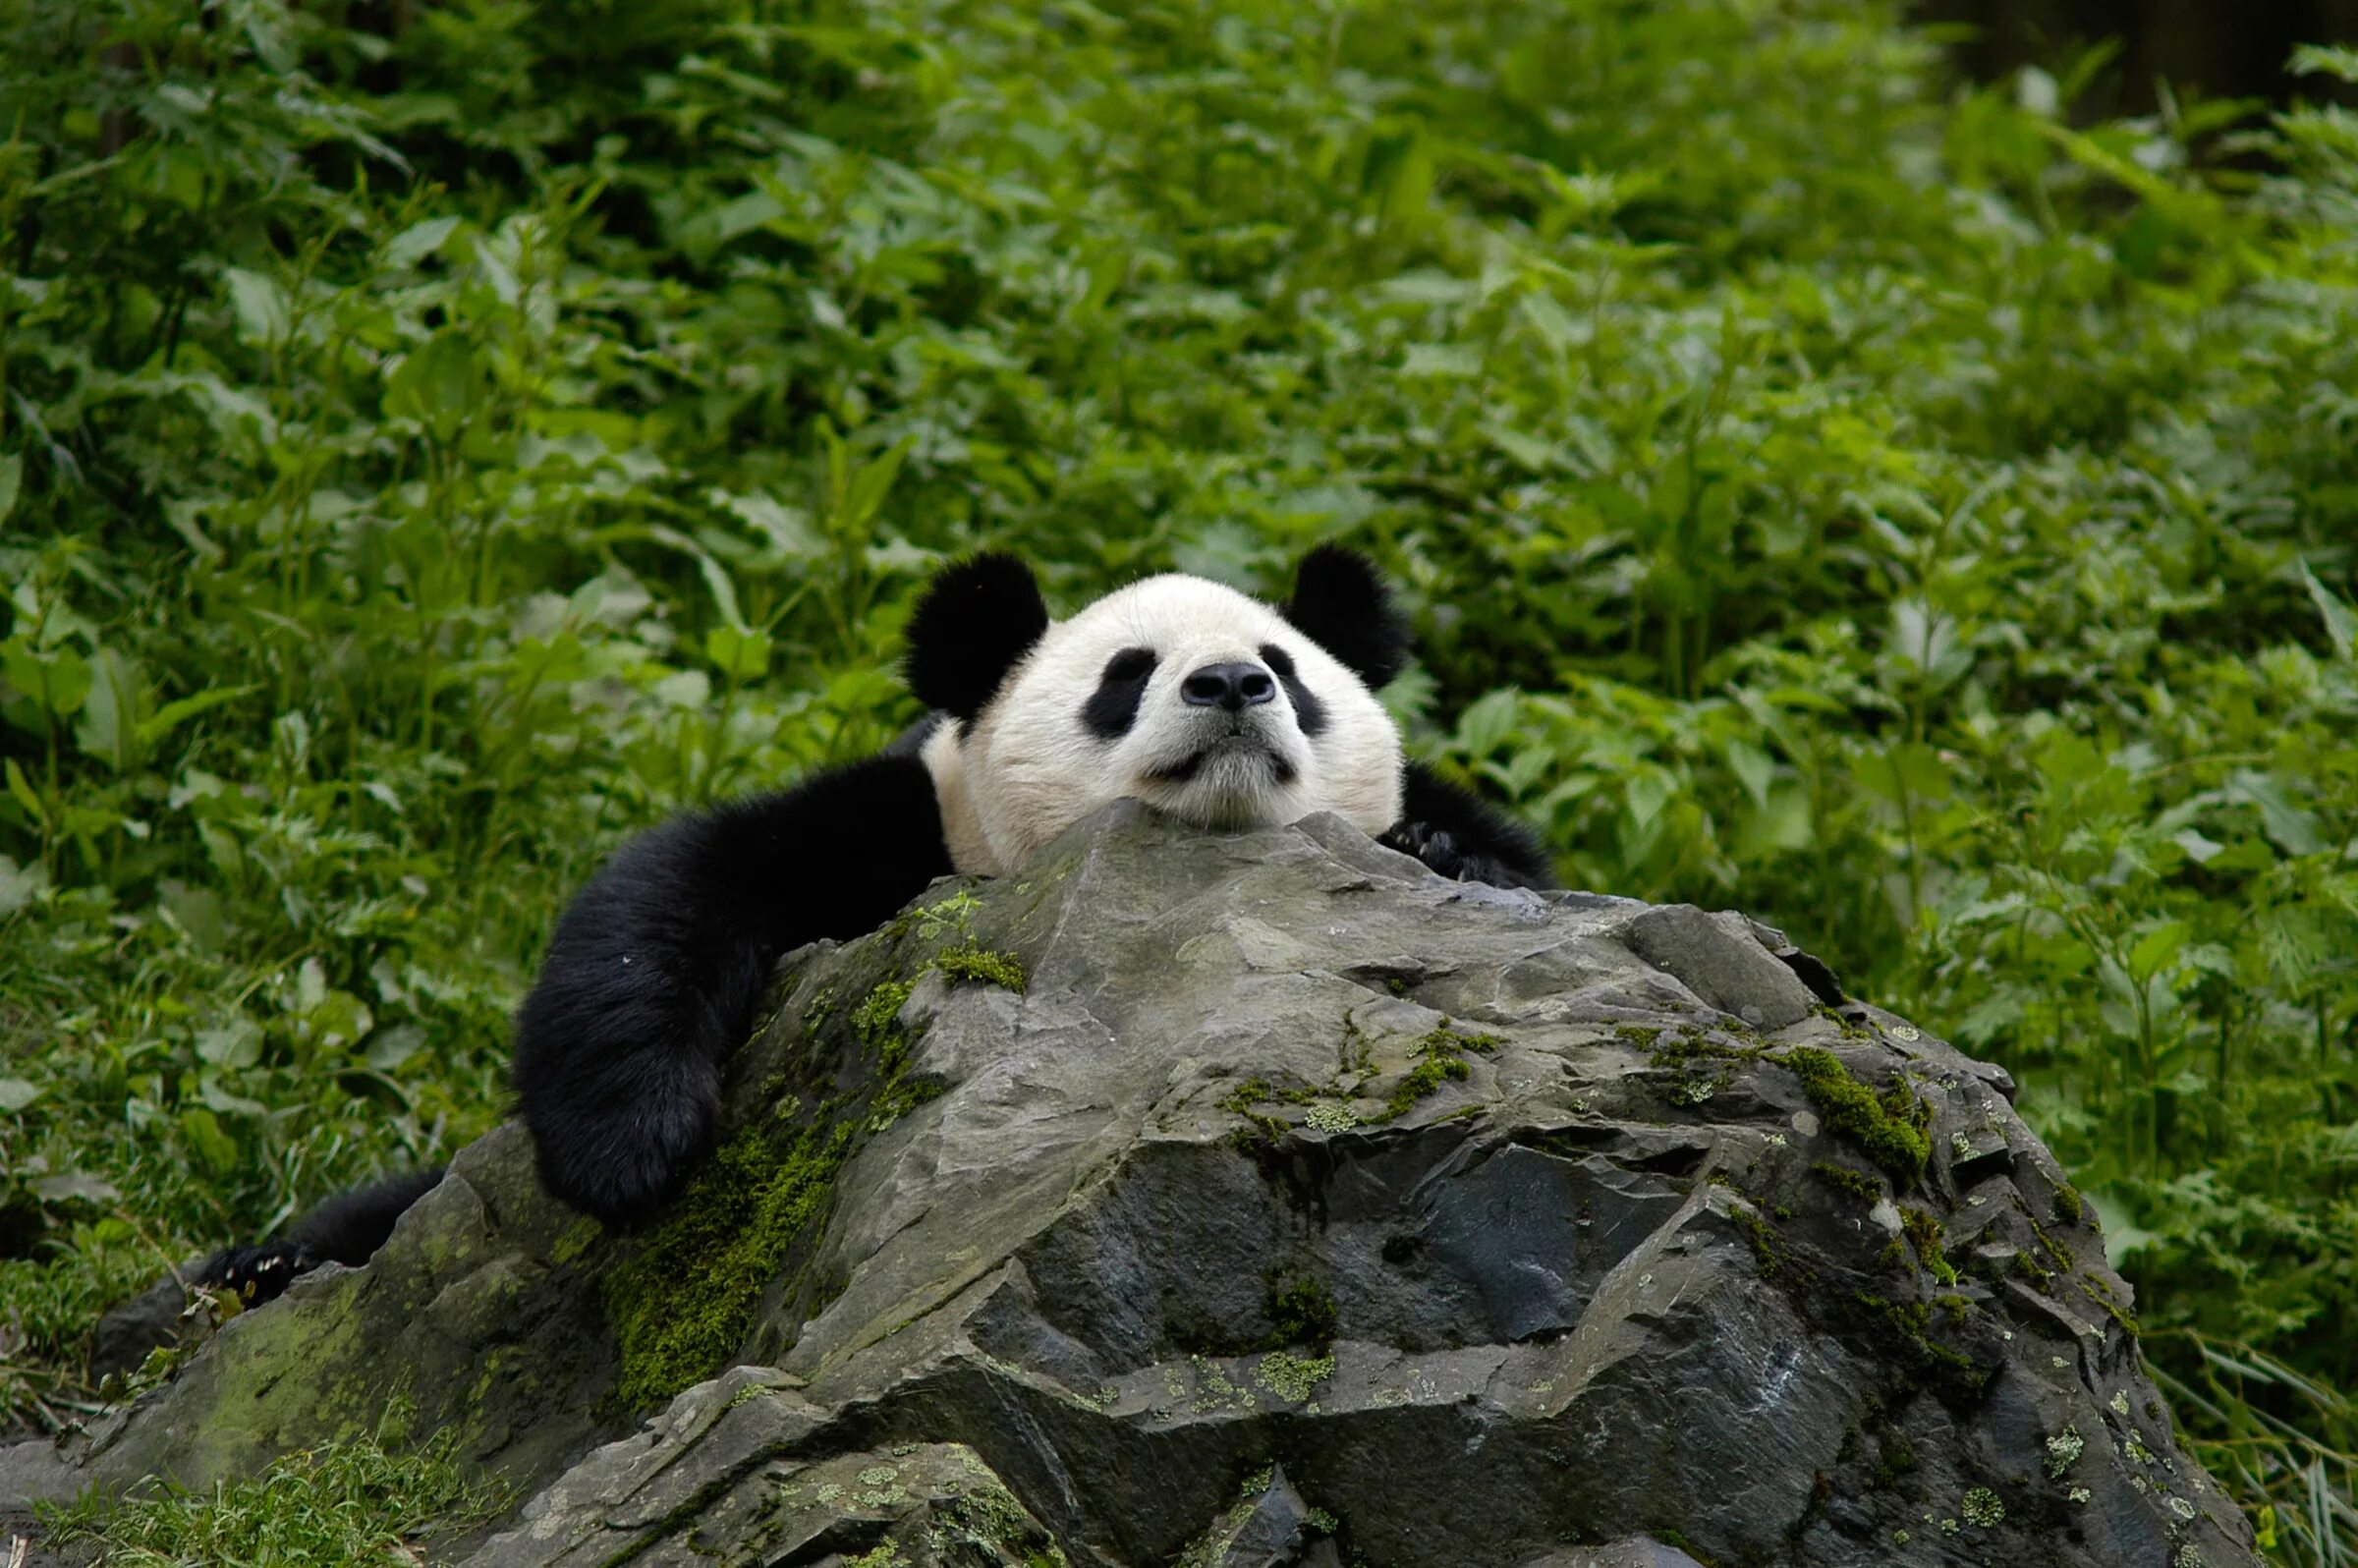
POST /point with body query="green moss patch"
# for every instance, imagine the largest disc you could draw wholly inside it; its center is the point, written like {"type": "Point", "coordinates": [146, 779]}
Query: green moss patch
{"type": "Point", "coordinates": [1908, 1324]}
{"type": "Point", "coordinates": [1860, 1186]}
{"type": "Point", "coordinates": [1697, 1065]}
{"type": "Point", "coordinates": [1769, 1252]}
{"type": "Point", "coordinates": [1441, 1056]}
{"type": "Point", "coordinates": [1895, 1456]}
{"type": "Point", "coordinates": [681, 1305]}
{"type": "Point", "coordinates": [1924, 1233]}
{"type": "Point", "coordinates": [1888, 1129]}
{"type": "Point", "coordinates": [974, 962]}
{"type": "Point", "coordinates": [684, 1296]}
{"type": "Point", "coordinates": [876, 1019]}
{"type": "Point", "coordinates": [1300, 1312]}
{"type": "Point", "coordinates": [1246, 1101]}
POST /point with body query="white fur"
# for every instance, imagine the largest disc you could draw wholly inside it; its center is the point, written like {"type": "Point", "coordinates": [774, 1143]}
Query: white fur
{"type": "Point", "coordinates": [1028, 768]}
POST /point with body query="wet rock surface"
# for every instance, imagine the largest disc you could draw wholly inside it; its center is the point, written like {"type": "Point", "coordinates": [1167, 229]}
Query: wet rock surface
{"type": "Point", "coordinates": [1268, 1201]}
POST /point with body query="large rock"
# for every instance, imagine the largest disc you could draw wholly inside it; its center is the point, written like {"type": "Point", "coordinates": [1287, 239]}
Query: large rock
{"type": "Point", "coordinates": [1268, 1201]}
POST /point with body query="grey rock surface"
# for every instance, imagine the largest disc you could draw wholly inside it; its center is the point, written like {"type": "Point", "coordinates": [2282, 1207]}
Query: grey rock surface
{"type": "Point", "coordinates": [1300, 1208]}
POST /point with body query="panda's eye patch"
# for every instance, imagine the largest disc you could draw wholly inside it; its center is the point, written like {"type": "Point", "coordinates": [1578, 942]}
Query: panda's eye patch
{"type": "Point", "coordinates": [1113, 706]}
{"type": "Point", "coordinates": [1130, 665]}
{"type": "Point", "coordinates": [1309, 711]}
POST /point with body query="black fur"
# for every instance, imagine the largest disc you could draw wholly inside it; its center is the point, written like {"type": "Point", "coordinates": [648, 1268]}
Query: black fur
{"type": "Point", "coordinates": [656, 966]}
{"type": "Point", "coordinates": [1308, 712]}
{"type": "Point", "coordinates": [1463, 837]}
{"type": "Point", "coordinates": [1343, 607]}
{"type": "Point", "coordinates": [1113, 706]}
{"type": "Point", "coordinates": [346, 1229]}
{"type": "Point", "coordinates": [975, 620]}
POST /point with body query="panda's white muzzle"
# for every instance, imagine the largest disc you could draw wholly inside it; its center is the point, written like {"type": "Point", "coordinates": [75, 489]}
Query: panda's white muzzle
{"type": "Point", "coordinates": [1232, 758]}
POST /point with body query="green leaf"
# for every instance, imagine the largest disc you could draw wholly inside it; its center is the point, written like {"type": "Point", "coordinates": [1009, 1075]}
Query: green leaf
{"type": "Point", "coordinates": [418, 240]}
{"type": "Point", "coordinates": [2330, 59]}
{"type": "Point", "coordinates": [260, 305]}
{"type": "Point", "coordinates": [204, 1133]}
{"type": "Point", "coordinates": [12, 479]}
{"type": "Point", "coordinates": [20, 790]}
{"type": "Point", "coordinates": [236, 1043]}
{"type": "Point", "coordinates": [1647, 793]}
{"type": "Point", "coordinates": [109, 723]}
{"type": "Point", "coordinates": [1487, 723]}
{"type": "Point", "coordinates": [2292, 828]}
{"type": "Point", "coordinates": [195, 911]}
{"type": "Point", "coordinates": [2155, 950]}
{"type": "Point", "coordinates": [1903, 774]}
{"type": "Point", "coordinates": [715, 575]}
{"type": "Point", "coordinates": [2342, 623]}
{"type": "Point", "coordinates": [72, 1186]}
{"type": "Point", "coordinates": [19, 885]}
{"type": "Point", "coordinates": [58, 680]}
{"type": "Point", "coordinates": [1754, 769]}
{"type": "Point", "coordinates": [1442, 360]}
{"type": "Point", "coordinates": [15, 1093]}
{"type": "Point", "coordinates": [873, 480]}
{"type": "Point", "coordinates": [175, 714]}
{"type": "Point", "coordinates": [438, 384]}
{"type": "Point", "coordinates": [390, 1050]}
{"type": "Point", "coordinates": [739, 655]}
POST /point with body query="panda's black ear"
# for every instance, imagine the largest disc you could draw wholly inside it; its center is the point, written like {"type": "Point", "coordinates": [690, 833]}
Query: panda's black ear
{"type": "Point", "coordinates": [974, 621]}
{"type": "Point", "coordinates": [1341, 604]}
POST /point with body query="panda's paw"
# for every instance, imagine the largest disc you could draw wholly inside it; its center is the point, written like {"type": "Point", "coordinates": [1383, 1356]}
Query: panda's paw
{"type": "Point", "coordinates": [1443, 855]}
{"type": "Point", "coordinates": [623, 1167]}
{"type": "Point", "coordinates": [254, 1274]}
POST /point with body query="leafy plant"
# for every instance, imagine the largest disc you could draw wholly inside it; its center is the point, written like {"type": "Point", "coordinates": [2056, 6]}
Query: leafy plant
{"type": "Point", "coordinates": [435, 441]}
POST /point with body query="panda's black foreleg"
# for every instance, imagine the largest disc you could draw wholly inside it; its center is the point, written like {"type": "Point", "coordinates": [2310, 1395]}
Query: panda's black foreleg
{"type": "Point", "coordinates": [656, 966]}
{"type": "Point", "coordinates": [346, 1229]}
{"type": "Point", "coordinates": [1461, 836]}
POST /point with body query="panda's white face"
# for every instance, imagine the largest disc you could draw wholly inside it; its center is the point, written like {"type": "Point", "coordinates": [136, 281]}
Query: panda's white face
{"type": "Point", "coordinates": [1178, 691]}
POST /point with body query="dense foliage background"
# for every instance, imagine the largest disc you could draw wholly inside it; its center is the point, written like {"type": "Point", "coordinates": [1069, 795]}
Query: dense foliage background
{"type": "Point", "coordinates": [437, 439]}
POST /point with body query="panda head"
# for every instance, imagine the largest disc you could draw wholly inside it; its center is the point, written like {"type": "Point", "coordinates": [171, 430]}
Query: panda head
{"type": "Point", "coordinates": [1188, 696]}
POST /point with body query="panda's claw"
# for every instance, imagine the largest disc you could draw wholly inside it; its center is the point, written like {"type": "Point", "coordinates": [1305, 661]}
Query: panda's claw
{"type": "Point", "coordinates": [1445, 855]}
{"type": "Point", "coordinates": [254, 1274]}
{"type": "Point", "coordinates": [1427, 843]}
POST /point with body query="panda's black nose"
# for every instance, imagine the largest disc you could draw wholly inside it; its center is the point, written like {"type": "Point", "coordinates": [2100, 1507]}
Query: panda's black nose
{"type": "Point", "coordinates": [1233, 687]}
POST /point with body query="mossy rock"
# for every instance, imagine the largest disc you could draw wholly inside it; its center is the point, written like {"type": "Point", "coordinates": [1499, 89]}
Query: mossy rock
{"type": "Point", "coordinates": [1266, 1199]}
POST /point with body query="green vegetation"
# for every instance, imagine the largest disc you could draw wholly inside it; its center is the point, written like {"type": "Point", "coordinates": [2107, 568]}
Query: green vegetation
{"type": "Point", "coordinates": [1697, 1065]}
{"type": "Point", "coordinates": [358, 1504]}
{"type": "Point", "coordinates": [971, 963]}
{"type": "Point", "coordinates": [436, 441]}
{"type": "Point", "coordinates": [1769, 1254]}
{"type": "Point", "coordinates": [1300, 1312]}
{"type": "Point", "coordinates": [876, 1020]}
{"type": "Point", "coordinates": [1440, 1059]}
{"type": "Point", "coordinates": [1888, 1129]}
{"type": "Point", "coordinates": [682, 1302]}
{"type": "Point", "coordinates": [1924, 1233]}
{"type": "Point", "coordinates": [1857, 1183]}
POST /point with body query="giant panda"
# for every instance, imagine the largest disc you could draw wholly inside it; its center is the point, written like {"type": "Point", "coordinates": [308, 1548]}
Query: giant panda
{"type": "Point", "coordinates": [1187, 695]}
